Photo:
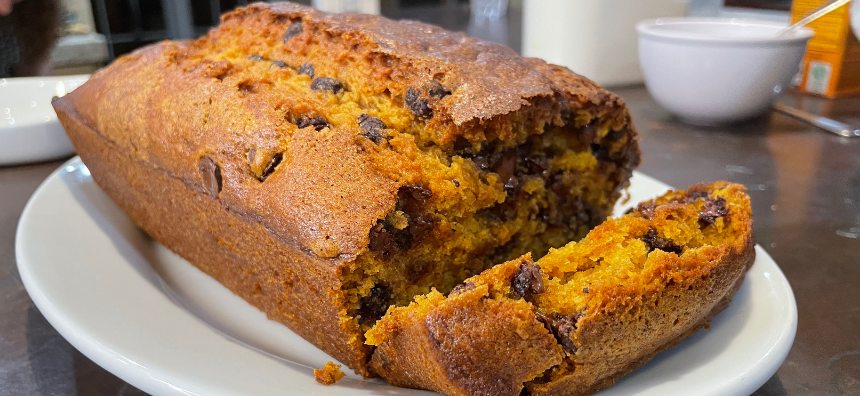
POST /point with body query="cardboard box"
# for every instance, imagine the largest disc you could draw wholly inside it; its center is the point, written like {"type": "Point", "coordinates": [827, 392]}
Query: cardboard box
{"type": "Point", "coordinates": [831, 66]}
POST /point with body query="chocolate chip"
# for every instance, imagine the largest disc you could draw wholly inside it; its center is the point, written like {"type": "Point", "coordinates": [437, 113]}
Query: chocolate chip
{"type": "Point", "coordinates": [374, 305]}
{"type": "Point", "coordinates": [562, 327]}
{"type": "Point", "coordinates": [307, 69]}
{"type": "Point", "coordinates": [382, 239]}
{"type": "Point", "coordinates": [210, 172]}
{"type": "Point", "coordinates": [270, 167]}
{"type": "Point", "coordinates": [489, 161]}
{"type": "Point", "coordinates": [713, 209]}
{"type": "Point", "coordinates": [326, 84]}
{"type": "Point", "coordinates": [463, 287]}
{"type": "Point", "coordinates": [256, 57]}
{"type": "Point", "coordinates": [412, 199]}
{"type": "Point", "coordinates": [318, 122]}
{"type": "Point", "coordinates": [646, 209]}
{"type": "Point", "coordinates": [418, 106]}
{"type": "Point", "coordinates": [512, 186]}
{"type": "Point", "coordinates": [280, 63]}
{"type": "Point", "coordinates": [386, 240]}
{"type": "Point", "coordinates": [456, 183]}
{"type": "Point", "coordinates": [527, 280]}
{"type": "Point", "coordinates": [419, 228]}
{"type": "Point", "coordinates": [600, 152]}
{"type": "Point", "coordinates": [294, 30]}
{"type": "Point", "coordinates": [483, 162]}
{"type": "Point", "coordinates": [437, 90]}
{"type": "Point", "coordinates": [616, 135]}
{"type": "Point", "coordinates": [505, 169]}
{"type": "Point", "coordinates": [463, 147]}
{"type": "Point", "coordinates": [587, 134]}
{"type": "Point", "coordinates": [537, 165]}
{"type": "Point", "coordinates": [373, 128]}
{"type": "Point", "coordinates": [654, 241]}
{"type": "Point", "coordinates": [585, 290]}
{"type": "Point", "coordinates": [697, 194]}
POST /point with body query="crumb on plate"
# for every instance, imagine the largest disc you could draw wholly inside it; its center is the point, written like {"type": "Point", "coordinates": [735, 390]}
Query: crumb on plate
{"type": "Point", "coordinates": [329, 374]}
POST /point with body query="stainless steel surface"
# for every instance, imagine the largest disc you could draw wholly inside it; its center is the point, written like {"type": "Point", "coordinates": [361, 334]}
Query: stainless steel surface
{"type": "Point", "coordinates": [827, 124]}
{"type": "Point", "coordinates": [805, 189]}
{"type": "Point", "coordinates": [819, 12]}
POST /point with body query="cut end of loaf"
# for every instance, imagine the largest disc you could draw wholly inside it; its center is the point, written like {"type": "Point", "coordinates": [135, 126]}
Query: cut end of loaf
{"type": "Point", "coordinates": [631, 288]}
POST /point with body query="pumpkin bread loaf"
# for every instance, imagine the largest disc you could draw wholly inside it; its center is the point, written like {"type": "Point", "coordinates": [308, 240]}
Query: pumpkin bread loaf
{"type": "Point", "coordinates": [582, 316]}
{"type": "Point", "coordinates": [324, 167]}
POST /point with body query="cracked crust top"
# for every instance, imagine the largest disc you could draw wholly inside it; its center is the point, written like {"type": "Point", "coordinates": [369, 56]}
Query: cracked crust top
{"type": "Point", "coordinates": [176, 106]}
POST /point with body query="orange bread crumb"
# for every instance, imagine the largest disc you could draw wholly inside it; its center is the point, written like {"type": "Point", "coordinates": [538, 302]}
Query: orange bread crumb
{"type": "Point", "coordinates": [329, 374]}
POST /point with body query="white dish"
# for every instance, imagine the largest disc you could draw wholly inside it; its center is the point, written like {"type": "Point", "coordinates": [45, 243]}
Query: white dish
{"type": "Point", "coordinates": [157, 322]}
{"type": "Point", "coordinates": [29, 128]}
{"type": "Point", "coordinates": [713, 71]}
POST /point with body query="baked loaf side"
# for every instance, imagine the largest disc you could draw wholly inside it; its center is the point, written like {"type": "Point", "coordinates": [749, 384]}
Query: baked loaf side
{"type": "Point", "coordinates": [376, 159]}
{"type": "Point", "coordinates": [630, 289]}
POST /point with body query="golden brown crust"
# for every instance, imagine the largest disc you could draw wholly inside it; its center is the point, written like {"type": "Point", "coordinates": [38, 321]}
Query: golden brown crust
{"type": "Point", "coordinates": [277, 278]}
{"type": "Point", "coordinates": [452, 347]}
{"type": "Point", "coordinates": [579, 386]}
{"type": "Point", "coordinates": [627, 314]}
{"type": "Point", "coordinates": [612, 339]}
{"type": "Point", "coordinates": [163, 103]}
{"type": "Point", "coordinates": [491, 79]}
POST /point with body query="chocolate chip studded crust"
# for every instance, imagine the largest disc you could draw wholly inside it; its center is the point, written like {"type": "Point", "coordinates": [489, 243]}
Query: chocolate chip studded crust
{"type": "Point", "coordinates": [325, 167]}
{"type": "Point", "coordinates": [583, 316]}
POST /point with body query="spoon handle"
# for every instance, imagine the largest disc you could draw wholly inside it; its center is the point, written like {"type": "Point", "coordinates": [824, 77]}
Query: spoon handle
{"type": "Point", "coordinates": [825, 8]}
{"type": "Point", "coordinates": [824, 123]}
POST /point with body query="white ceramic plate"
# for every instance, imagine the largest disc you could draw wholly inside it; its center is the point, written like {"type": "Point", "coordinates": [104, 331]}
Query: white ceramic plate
{"type": "Point", "coordinates": [157, 322]}
{"type": "Point", "coordinates": [29, 129]}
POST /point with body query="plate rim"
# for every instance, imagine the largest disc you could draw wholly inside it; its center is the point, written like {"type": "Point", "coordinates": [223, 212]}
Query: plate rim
{"type": "Point", "coordinates": [151, 380]}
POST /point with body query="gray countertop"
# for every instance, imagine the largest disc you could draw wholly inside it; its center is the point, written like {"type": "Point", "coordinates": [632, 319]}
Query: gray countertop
{"type": "Point", "coordinates": [805, 189]}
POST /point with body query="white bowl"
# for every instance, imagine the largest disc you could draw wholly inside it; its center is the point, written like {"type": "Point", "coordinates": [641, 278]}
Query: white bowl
{"type": "Point", "coordinates": [855, 17]}
{"type": "Point", "coordinates": [712, 71]}
{"type": "Point", "coordinates": [29, 129]}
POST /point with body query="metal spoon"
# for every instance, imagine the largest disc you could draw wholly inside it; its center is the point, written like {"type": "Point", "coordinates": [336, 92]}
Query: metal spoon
{"type": "Point", "coordinates": [824, 123]}
{"type": "Point", "coordinates": [825, 9]}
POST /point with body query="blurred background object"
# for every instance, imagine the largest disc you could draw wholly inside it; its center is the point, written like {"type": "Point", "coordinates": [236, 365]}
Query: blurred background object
{"type": "Point", "coordinates": [28, 30]}
{"type": "Point", "coordinates": [774, 10]}
{"type": "Point", "coordinates": [855, 18]}
{"type": "Point", "coordinates": [358, 6]}
{"type": "Point", "coordinates": [595, 38]}
{"type": "Point", "coordinates": [79, 49]}
{"type": "Point", "coordinates": [488, 20]}
{"type": "Point", "coordinates": [29, 128]}
{"type": "Point", "coordinates": [488, 10]}
{"type": "Point", "coordinates": [44, 37]}
{"type": "Point", "coordinates": [832, 63]}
